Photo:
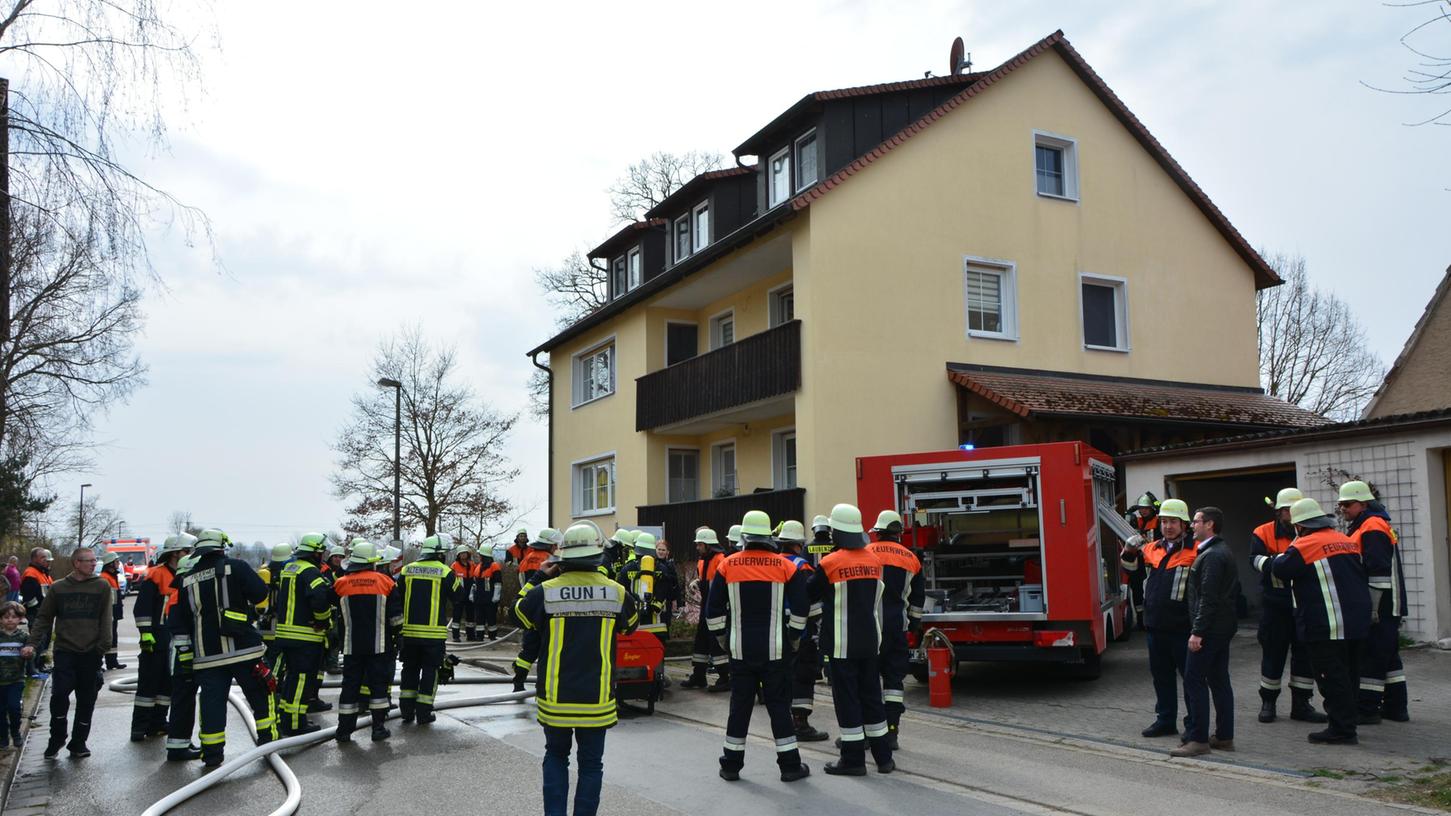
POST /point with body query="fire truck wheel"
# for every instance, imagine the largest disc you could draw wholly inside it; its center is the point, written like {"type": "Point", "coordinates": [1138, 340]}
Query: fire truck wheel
{"type": "Point", "coordinates": [1091, 667]}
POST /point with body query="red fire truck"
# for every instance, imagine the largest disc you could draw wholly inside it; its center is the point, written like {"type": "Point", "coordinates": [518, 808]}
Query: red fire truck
{"type": "Point", "coordinates": [136, 555]}
{"type": "Point", "coordinates": [1019, 545]}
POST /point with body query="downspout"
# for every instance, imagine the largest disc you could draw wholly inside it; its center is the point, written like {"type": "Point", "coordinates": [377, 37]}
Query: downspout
{"type": "Point", "coordinates": [549, 491]}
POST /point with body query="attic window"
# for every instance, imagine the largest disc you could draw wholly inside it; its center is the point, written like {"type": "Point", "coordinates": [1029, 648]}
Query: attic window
{"type": "Point", "coordinates": [682, 238]}
{"type": "Point", "coordinates": [778, 182]}
{"type": "Point", "coordinates": [1055, 165]}
{"type": "Point", "coordinates": [806, 164]}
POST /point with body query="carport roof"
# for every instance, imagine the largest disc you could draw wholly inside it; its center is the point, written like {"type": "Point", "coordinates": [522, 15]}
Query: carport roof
{"type": "Point", "coordinates": [1031, 393]}
{"type": "Point", "coordinates": [1359, 427]}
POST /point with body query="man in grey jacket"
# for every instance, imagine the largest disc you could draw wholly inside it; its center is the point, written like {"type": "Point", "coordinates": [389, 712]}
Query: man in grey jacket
{"type": "Point", "coordinates": [1213, 588]}
{"type": "Point", "coordinates": [79, 608]}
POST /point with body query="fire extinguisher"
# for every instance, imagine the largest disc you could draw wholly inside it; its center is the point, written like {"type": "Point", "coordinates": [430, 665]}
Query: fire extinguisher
{"type": "Point", "coordinates": [941, 667]}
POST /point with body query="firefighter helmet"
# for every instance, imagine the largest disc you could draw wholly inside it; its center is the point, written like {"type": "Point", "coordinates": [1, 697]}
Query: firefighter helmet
{"type": "Point", "coordinates": [846, 527]}
{"type": "Point", "coordinates": [1356, 491]}
{"type": "Point", "coordinates": [1147, 500]}
{"type": "Point", "coordinates": [1307, 513]}
{"type": "Point", "coordinates": [434, 545]}
{"type": "Point", "coordinates": [311, 543]}
{"type": "Point", "coordinates": [364, 554]}
{"type": "Point", "coordinates": [1286, 498]}
{"type": "Point", "coordinates": [549, 538]}
{"type": "Point", "coordinates": [109, 557]}
{"type": "Point", "coordinates": [281, 552]}
{"type": "Point", "coordinates": [181, 542]}
{"type": "Point", "coordinates": [582, 542]}
{"type": "Point", "coordinates": [755, 522]}
{"type": "Point", "coordinates": [644, 543]}
{"type": "Point", "coordinates": [733, 535]}
{"type": "Point", "coordinates": [888, 521]}
{"type": "Point", "coordinates": [791, 532]}
{"type": "Point", "coordinates": [1175, 509]}
{"type": "Point", "coordinates": [212, 539]}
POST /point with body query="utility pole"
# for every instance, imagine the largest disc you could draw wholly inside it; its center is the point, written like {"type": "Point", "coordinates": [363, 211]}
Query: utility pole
{"type": "Point", "coordinates": [389, 382]}
{"type": "Point", "coordinates": [81, 516]}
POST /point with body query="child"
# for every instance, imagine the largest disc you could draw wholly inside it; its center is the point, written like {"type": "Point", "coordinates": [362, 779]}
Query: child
{"type": "Point", "coordinates": [12, 671]}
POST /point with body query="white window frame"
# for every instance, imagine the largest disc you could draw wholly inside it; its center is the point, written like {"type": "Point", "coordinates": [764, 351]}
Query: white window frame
{"type": "Point", "coordinates": [716, 477]}
{"type": "Point", "coordinates": [620, 276]}
{"type": "Point", "coordinates": [698, 241]}
{"type": "Point", "coordinates": [798, 183]}
{"type": "Point", "coordinates": [668, 323]}
{"type": "Point", "coordinates": [695, 449]}
{"type": "Point", "coordinates": [715, 324]}
{"type": "Point", "coordinates": [576, 490]}
{"type": "Point", "coordinates": [773, 299]}
{"type": "Point", "coordinates": [576, 372]}
{"type": "Point", "coordinates": [1069, 146]}
{"type": "Point", "coordinates": [675, 237]}
{"type": "Point", "coordinates": [1008, 289]}
{"type": "Point", "coordinates": [778, 458]}
{"type": "Point", "coordinates": [1121, 304]}
{"type": "Point", "coordinates": [634, 268]}
{"type": "Point", "coordinates": [771, 199]}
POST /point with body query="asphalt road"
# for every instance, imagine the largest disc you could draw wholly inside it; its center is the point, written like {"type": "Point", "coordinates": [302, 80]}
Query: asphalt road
{"type": "Point", "coordinates": [486, 760]}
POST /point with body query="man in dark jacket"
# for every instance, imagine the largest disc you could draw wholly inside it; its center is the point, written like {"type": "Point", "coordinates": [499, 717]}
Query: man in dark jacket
{"type": "Point", "coordinates": [79, 607]}
{"type": "Point", "coordinates": [1213, 588]}
{"type": "Point", "coordinates": [1165, 562]}
{"type": "Point", "coordinates": [1382, 675]}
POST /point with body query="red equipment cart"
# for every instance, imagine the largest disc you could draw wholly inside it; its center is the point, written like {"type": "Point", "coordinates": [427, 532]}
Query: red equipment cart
{"type": "Point", "coordinates": [639, 668]}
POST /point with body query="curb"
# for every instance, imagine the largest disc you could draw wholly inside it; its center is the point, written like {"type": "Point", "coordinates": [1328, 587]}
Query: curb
{"type": "Point", "coordinates": [28, 792]}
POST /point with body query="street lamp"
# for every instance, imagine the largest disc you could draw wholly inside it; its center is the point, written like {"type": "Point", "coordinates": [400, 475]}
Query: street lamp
{"type": "Point", "coordinates": [388, 382]}
{"type": "Point", "coordinates": [81, 522]}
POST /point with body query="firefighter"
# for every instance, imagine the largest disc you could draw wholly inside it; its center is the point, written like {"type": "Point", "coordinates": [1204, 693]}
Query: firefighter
{"type": "Point", "coordinates": [733, 537]}
{"type": "Point", "coordinates": [707, 653]}
{"type": "Point", "coordinates": [304, 614]}
{"type": "Point", "coordinates": [34, 586]}
{"type": "Point", "coordinates": [757, 609]}
{"type": "Point", "coordinates": [904, 590]}
{"type": "Point", "coordinates": [281, 554]}
{"type": "Point", "coordinates": [1382, 676]}
{"type": "Point", "coordinates": [791, 539]}
{"type": "Point", "coordinates": [848, 585]}
{"type": "Point", "coordinates": [641, 582]}
{"type": "Point", "coordinates": [667, 585]}
{"type": "Point", "coordinates": [1165, 563]}
{"type": "Point", "coordinates": [463, 613]}
{"type": "Point", "coordinates": [515, 552]}
{"type": "Point", "coordinates": [539, 551]}
{"type": "Point", "coordinates": [372, 605]}
{"type": "Point", "coordinates": [429, 588]}
{"type": "Point", "coordinates": [1332, 612]}
{"type": "Point", "coordinates": [578, 614]}
{"type": "Point", "coordinates": [618, 549]}
{"type": "Point", "coordinates": [528, 638]}
{"type": "Point", "coordinates": [181, 717]}
{"type": "Point", "coordinates": [1277, 619]}
{"type": "Point", "coordinates": [332, 663]}
{"type": "Point", "coordinates": [213, 631]}
{"type": "Point", "coordinates": [488, 579]}
{"type": "Point", "coordinates": [110, 567]}
{"type": "Point", "coordinates": [1145, 520]}
{"type": "Point", "coordinates": [154, 600]}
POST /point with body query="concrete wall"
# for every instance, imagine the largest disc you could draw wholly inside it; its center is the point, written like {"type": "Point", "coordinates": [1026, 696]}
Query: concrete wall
{"type": "Point", "coordinates": [1408, 469]}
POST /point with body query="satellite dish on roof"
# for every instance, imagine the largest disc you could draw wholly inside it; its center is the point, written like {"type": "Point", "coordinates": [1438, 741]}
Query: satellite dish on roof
{"type": "Point", "coordinates": [958, 60]}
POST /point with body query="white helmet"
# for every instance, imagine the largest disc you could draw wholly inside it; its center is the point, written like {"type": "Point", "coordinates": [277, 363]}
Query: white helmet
{"type": "Point", "coordinates": [582, 542]}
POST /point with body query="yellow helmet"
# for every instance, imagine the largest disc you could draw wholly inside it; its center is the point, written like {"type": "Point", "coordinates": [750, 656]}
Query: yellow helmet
{"type": "Point", "coordinates": [846, 518]}
{"type": "Point", "coordinates": [755, 523]}
{"type": "Point", "coordinates": [792, 531]}
{"type": "Point", "coordinates": [581, 542]}
{"type": "Point", "coordinates": [1174, 508]}
{"type": "Point", "coordinates": [644, 543]}
{"type": "Point", "coordinates": [1307, 513]}
{"type": "Point", "coordinates": [1287, 498]}
{"type": "Point", "coordinates": [1356, 491]}
{"type": "Point", "coordinates": [311, 543]}
{"type": "Point", "coordinates": [885, 521]}
{"type": "Point", "coordinates": [705, 535]}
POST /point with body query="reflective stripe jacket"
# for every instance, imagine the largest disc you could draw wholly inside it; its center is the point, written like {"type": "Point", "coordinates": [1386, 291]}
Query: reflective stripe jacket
{"type": "Point", "coordinates": [34, 584]}
{"type": "Point", "coordinates": [848, 585]}
{"type": "Point", "coordinates": [533, 559]}
{"type": "Point", "coordinates": [488, 579]}
{"type": "Point", "coordinates": [1381, 552]}
{"type": "Point", "coordinates": [905, 588]}
{"type": "Point", "coordinates": [1327, 579]}
{"type": "Point", "coordinates": [154, 599]}
{"type": "Point", "coordinates": [578, 615]}
{"type": "Point", "coordinates": [429, 591]}
{"type": "Point", "coordinates": [1147, 527]}
{"type": "Point", "coordinates": [372, 607]}
{"type": "Point", "coordinates": [759, 597]}
{"type": "Point", "coordinates": [302, 601]}
{"type": "Point", "coordinates": [216, 599]}
{"type": "Point", "coordinates": [1165, 583]}
{"type": "Point", "coordinates": [118, 610]}
{"type": "Point", "coordinates": [1267, 542]}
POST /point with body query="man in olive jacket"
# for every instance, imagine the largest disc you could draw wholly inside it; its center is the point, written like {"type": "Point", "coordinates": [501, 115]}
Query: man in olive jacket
{"type": "Point", "coordinates": [79, 607]}
{"type": "Point", "coordinates": [1213, 588]}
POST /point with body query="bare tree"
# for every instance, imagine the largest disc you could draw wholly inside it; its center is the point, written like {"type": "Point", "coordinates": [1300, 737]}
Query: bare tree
{"type": "Point", "coordinates": [650, 180]}
{"type": "Point", "coordinates": [100, 523]}
{"type": "Point", "coordinates": [1312, 349]}
{"type": "Point", "coordinates": [452, 463]}
{"type": "Point", "coordinates": [1430, 73]}
{"type": "Point", "coordinates": [181, 522]}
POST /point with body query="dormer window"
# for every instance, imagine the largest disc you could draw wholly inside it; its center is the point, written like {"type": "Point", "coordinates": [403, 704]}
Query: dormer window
{"type": "Point", "coordinates": [681, 233]}
{"type": "Point", "coordinates": [806, 164]}
{"type": "Point", "coordinates": [617, 276]}
{"type": "Point", "coordinates": [634, 267]}
{"type": "Point", "coordinates": [778, 180]}
{"type": "Point", "coordinates": [701, 216]}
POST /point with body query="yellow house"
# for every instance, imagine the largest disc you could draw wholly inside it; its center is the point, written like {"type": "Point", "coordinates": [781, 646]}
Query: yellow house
{"type": "Point", "coordinates": [978, 258]}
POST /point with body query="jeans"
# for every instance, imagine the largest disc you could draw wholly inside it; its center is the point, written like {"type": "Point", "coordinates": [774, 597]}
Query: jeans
{"type": "Point", "coordinates": [1206, 673]}
{"type": "Point", "coordinates": [1167, 652]}
{"type": "Point", "coordinates": [591, 742]}
{"type": "Point", "coordinates": [77, 673]}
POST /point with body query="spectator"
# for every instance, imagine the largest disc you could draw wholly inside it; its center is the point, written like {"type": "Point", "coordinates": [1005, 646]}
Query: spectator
{"type": "Point", "coordinates": [12, 671]}
{"type": "Point", "coordinates": [79, 608]}
{"type": "Point", "coordinates": [667, 582]}
{"type": "Point", "coordinates": [12, 578]}
{"type": "Point", "coordinates": [1213, 585]}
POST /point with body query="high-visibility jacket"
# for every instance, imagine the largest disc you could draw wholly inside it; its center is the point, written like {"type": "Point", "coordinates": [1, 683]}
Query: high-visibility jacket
{"type": "Point", "coordinates": [848, 584]}
{"type": "Point", "coordinates": [488, 579]}
{"type": "Point", "coordinates": [216, 601]}
{"type": "Point", "coordinates": [1268, 541]}
{"type": "Point", "coordinates": [1327, 579]}
{"type": "Point", "coordinates": [1147, 527]}
{"type": "Point", "coordinates": [372, 608]}
{"type": "Point", "coordinates": [758, 599]}
{"type": "Point", "coordinates": [532, 560]}
{"type": "Point", "coordinates": [304, 606]}
{"type": "Point", "coordinates": [1166, 582]}
{"type": "Point", "coordinates": [34, 584]}
{"type": "Point", "coordinates": [118, 610]}
{"type": "Point", "coordinates": [577, 614]}
{"type": "Point", "coordinates": [429, 591]}
{"type": "Point", "coordinates": [803, 566]}
{"type": "Point", "coordinates": [1380, 550]}
{"type": "Point", "coordinates": [154, 599]}
{"type": "Point", "coordinates": [515, 553]}
{"type": "Point", "coordinates": [904, 587]}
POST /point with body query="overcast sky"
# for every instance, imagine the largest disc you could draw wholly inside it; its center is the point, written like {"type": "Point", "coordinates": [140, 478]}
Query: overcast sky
{"type": "Point", "coordinates": [369, 166]}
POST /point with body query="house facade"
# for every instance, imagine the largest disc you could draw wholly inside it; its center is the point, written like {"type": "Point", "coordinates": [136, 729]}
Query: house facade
{"type": "Point", "coordinates": [980, 258]}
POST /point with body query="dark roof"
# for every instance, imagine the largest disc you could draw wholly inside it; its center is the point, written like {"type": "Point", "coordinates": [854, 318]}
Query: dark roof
{"type": "Point", "coordinates": [696, 187]}
{"type": "Point", "coordinates": [811, 103]}
{"type": "Point", "coordinates": [1285, 436]}
{"type": "Point", "coordinates": [1030, 393]}
{"type": "Point", "coordinates": [625, 236]}
{"type": "Point", "coordinates": [1431, 306]}
{"type": "Point", "coordinates": [1265, 277]}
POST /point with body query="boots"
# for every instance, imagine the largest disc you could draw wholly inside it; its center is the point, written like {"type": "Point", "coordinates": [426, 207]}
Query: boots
{"type": "Point", "coordinates": [346, 724]}
{"type": "Point", "coordinates": [305, 726]}
{"type": "Point", "coordinates": [424, 714]}
{"type": "Point", "coordinates": [380, 730]}
{"type": "Point", "coordinates": [696, 679]}
{"type": "Point", "coordinates": [520, 675]}
{"type": "Point", "coordinates": [406, 708]}
{"type": "Point", "coordinates": [472, 636]}
{"type": "Point", "coordinates": [319, 706]}
{"type": "Point", "coordinates": [1302, 710]}
{"type": "Point", "coordinates": [891, 736]}
{"type": "Point", "coordinates": [722, 682]}
{"type": "Point", "coordinates": [805, 731]}
{"type": "Point", "coordinates": [453, 633]}
{"type": "Point", "coordinates": [801, 771]}
{"type": "Point", "coordinates": [1267, 705]}
{"type": "Point", "coordinates": [79, 733]}
{"type": "Point", "coordinates": [187, 754]}
{"type": "Point", "coordinates": [113, 662]}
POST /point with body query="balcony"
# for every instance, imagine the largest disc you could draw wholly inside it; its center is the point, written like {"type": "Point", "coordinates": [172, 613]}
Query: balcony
{"type": "Point", "coordinates": [752, 378]}
{"type": "Point", "coordinates": [681, 519]}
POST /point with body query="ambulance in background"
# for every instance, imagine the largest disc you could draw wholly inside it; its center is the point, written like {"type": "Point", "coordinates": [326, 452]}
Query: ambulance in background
{"type": "Point", "coordinates": [135, 555]}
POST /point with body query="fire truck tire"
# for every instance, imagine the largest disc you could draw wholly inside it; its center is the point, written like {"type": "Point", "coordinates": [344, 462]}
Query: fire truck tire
{"type": "Point", "coordinates": [1091, 668]}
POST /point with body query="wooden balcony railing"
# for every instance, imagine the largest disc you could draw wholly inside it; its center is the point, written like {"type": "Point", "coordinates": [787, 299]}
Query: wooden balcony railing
{"type": "Point", "coordinates": [681, 519]}
{"type": "Point", "coordinates": [752, 369]}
